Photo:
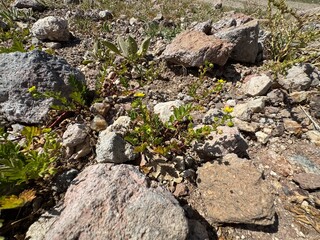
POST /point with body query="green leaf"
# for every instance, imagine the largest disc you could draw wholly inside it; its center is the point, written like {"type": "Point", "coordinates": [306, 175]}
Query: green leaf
{"type": "Point", "coordinates": [112, 47]}
{"type": "Point", "coordinates": [123, 47]}
{"type": "Point", "coordinates": [132, 48]}
{"type": "Point", "coordinates": [144, 47]}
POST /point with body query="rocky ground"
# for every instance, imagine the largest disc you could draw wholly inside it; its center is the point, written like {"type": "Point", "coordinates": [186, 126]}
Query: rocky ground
{"type": "Point", "coordinates": [258, 179]}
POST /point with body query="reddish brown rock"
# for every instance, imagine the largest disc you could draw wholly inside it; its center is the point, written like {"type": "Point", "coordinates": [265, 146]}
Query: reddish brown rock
{"type": "Point", "coordinates": [194, 48]}
{"type": "Point", "coordinates": [307, 181]}
{"type": "Point", "coordinates": [233, 191]}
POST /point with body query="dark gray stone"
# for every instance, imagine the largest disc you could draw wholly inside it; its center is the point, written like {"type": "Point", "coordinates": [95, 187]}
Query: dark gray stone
{"type": "Point", "coordinates": [21, 71]}
{"type": "Point", "coordinates": [33, 4]}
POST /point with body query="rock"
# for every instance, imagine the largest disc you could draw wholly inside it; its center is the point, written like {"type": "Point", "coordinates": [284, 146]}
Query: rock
{"type": "Point", "coordinates": [114, 202]}
{"type": "Point", "coordinates": [197, 231]}
{"type": "Point", "coordinates": [307, 181]}
{"type": "Point", "coordinates": [251, 127]}
{"type": "Point", "coordinates": [275, 97]}
{"type": "Point", "coordinates": [100, 108]}
{"type": "Point", "coordinates": [218, 144]}
{"type": "Point", "coordinates": [204, 27]}
{"type": "Point", "coordinates": [299, 78]}
{"type": "Point", "coordinates": [98, 123]}
{"type": "Point", "coordinates": [210, 115]}
{"type": "Point", "coordinates": [262, 137]}
{"type": "Point", "coordinates": [181, 190]}
{"type": "Point", "coordinates": [242, 112]}
{"type": "Point", "coordinates": [165, 109]}
{"type": "Point", "coordinates": [71, 1]}
{"type": "Point", "coordinates": [256, 105]}
{"type": "Point", "coordinates": [298, 97]}
{"type": "Point", "coordinates": [233, 191]}
{"type": "Point", "coordinates": [33, 4]}
{"type": "Point", "coordinates": [51, 28]}
{"type": "Point", "coordinates": [105, 15]}
{"type": "Point", "coordinates": [62, 181]}
{"type": "Point", "coordinates": [245, 40]}
{"type": "Point", "coordinates": [258, 85]}
{"type": "Point", "coordinates": [217, 4]}
{"type": "Point", "coordinates": [194, 48]}
{"type": "Point", "coordinates": [76, 139]}
{"type": "Point", "coordinates": [292, 126]}
{"type": "Point", "coordinates": [21, 71]}
{"type": "Point", "coordinates": [314, 137]}
{"type": "Point", "coordinates": [112, 148]}
{"type": "Point", "coordinates": [121, 125]}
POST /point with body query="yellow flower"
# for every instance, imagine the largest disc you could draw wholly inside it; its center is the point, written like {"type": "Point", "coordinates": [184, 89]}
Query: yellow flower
{"type": "Point", "coordinates": [221, 81]}
{"type": "Point", "coordinates": [228, 109]}
{"type": "Point", "coordinates": [32, 89]}
{"type": "Point", "coordinates": [139, 94]}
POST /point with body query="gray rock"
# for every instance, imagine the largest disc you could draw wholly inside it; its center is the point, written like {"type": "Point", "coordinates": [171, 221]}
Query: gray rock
{"type": "Point", "coordinates": [258, 85]}
{"type": "Point", "coordinates": [194, 48]}
{"type": "Point", "coordinates": [245, 40]}
{"type": "Point", "coordinates": [63, 180]}
{"type": "Point", "coordinates": [71, 1]}
{"type": "Point", "coordinates": [121, 125]}
{"type": "Point", "coordinates": [51, 28]}
{"type": "Point", "coordinates": [197, 231]}
{"type": "Point", "coordinates": [21, 71]}
{"type": "Point", "coordinates": [33, 4]}
{"type": "Point", "coordinates": [307, 181]}
{"type": "Point", "coordinates": [204, 27]}
{"type": "Point", "coordinates": [112, 148]}
{"type": "Point", "coordinates": [314, 137]}
{"type": "Point", "coordinates": [275, 97]}
{"type": "Point", "coordinates": [256, 105]}
{"type": "Point", "coordinates": [242, 112]}
{"type": "Point", "coordinates": [98, 123]}
{"type": "Point", "coordinates": [250, 127]}
{"type": "Point", "coordinates": [300, 77]}
{"type": "Point", "coordinates": [114, 202]}
{"type": "Point", "coordinates": [218, 144]}
{"type": "Point", "coordinates": [209, 116]}
{"type": "Point", "coordinates": [165, 109]}
{"type": "Point", "coordinates": [233, 191]}
{"type": "Point", "coordinates": [262, 137]}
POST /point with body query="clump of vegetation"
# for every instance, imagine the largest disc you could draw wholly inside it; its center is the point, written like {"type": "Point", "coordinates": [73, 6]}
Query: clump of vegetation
{"type": "Point", "coordinates": [291, 36]}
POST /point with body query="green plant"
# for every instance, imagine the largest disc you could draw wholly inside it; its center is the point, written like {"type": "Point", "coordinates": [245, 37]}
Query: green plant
{"type": "Point", "coordinates": [29, 159]}
{"type": "Point", "coordinates": [78, 98]}
{"type": "Point", "coordinates": [128, 48]}
{"type": "Point", "coordinates": [291, 35]}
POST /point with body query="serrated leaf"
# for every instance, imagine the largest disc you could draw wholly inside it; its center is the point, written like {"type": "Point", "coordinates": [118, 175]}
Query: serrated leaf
{"type": "Point", "coordinates": [112, 47]}
{"type": "Point", "coordinates": [9, 202]}
{"type": "Point", "coordinates": [144, 47]}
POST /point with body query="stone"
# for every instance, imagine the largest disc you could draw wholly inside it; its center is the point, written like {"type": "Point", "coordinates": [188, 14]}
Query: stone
{"type": "Point", "coordinates": [109, 201]}
{"type": "Point", "coordinates": [121, 125]}
{"type": "Point", "coordinates": [262, 137]}
{"type": "Point", "coordinates": [307, 181]}
{"type": "Point", "coordinates": [218, 144]}
{"type": "Point", "coordinates": [258, 85]}
{"type": "Point", "coordinates": [62, 181]}
{"type": "Point", "coordinates": [71, 1]}
{"type": "Point", "coordinates": [256, 105]}
{"type": "Point", "coordinates": [298, 97]}
{"type": "Point", "coordinates": [51, 28]}
{"type": "Point", "coordinates": [242, 112]}
{"type": "Point", "coordinates": [245, 40]}
{"type": "Point", "coordinates": [105, 15]}
{"type": "Point", "coordinates": [250, 127]}
{"type": "Point", "coordinates": [100, 108]}
{"type": "Point", "coordinates": [197, 231]}
{"type": "Point", "coordinates": [165, 109]}
{"type": "Point", "coordinates": [211, 114]}
{"type": "Point", "coordinates": [314, 136]}
{"type": "Point", "coordinates": [76, 139]}
{"type": "Point", "coordinates": [299, 78]}
{"type": "Point", "coordinates": [112, 148]}
{"type": "Point", "coordinates": [275, 97]}
{"type": "Point", "coordinates": [292, 126]}
{"type": "Point", "coordinates": [21, 71]}
{"type": "Point", "coordinates": [194, 48]}
{"type": "Point", "coordinates": [233, 191]}
{"type": "Point", "coordinates": [33, 4]}
{"type": "Point", "coordinates": [204, 27]}
{"type": "Point", "coordinates": [98, 123]}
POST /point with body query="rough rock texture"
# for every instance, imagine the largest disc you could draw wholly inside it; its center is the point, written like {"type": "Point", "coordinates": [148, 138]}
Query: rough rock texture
{"type": "Point", "coordinates": [51, 28]}
{"type": "Point", "coordinates": [225, 140]}
{"type": "Point", "coordinates": [3, 25]}
{"type": "Point", "coordinates": [34, 4]}
{"type": "Point", "coordinates": [300, 78]}
{"type": "Point", "coordinates": [237, 187]}
{"type": "Point", "coordinates": [194, 48]}
{"type": "Point", "coordinates": [307, 181]}
{"type": "Point", "coordinates": [245, 40]}
{"type": "Point", "coordinates": [115, 202]}
{"type": "Point", "coordinates": [21, 71]}
{"type": "Point", "coordinates": [112, 148]}
{"type": "Point", "coordinates": [258, 85]}
{"type": "Point", "coordinates": [165, 109]}
{"type": "Point", "coordinates": [76, 139]}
